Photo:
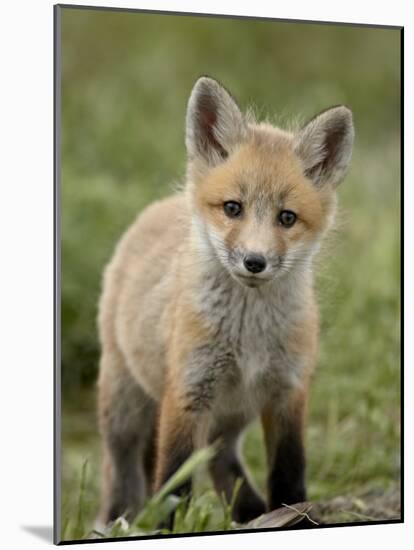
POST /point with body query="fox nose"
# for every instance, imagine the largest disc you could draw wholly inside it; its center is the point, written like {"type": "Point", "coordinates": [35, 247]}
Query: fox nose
{"type": "Point", "coordinates": [255, 263]}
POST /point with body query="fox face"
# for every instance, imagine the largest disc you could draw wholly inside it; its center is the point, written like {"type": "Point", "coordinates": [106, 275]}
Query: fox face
{"type": "Point", "coordinates": [261, 216]}
{"type": "Point", "coordinates": [262, 198]}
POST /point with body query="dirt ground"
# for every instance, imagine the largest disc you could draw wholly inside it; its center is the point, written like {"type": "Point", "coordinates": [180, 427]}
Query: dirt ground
{"type": "Point", "coordinates": [374, 505]}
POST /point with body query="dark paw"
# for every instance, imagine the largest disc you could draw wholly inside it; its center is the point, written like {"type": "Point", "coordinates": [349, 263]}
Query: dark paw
{"type": "Point", "coordinates": [167, 523]}
{"type": "Point", "coordinates": [248, 507]}
{"type": "Point", "coordinates": [116, 511]}
{"type": "Point", "coordinates": [287, 496]}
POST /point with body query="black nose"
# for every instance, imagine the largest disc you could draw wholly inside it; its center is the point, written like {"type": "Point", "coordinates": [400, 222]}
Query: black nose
{"type": "Point", "coordinates": [255, 263]}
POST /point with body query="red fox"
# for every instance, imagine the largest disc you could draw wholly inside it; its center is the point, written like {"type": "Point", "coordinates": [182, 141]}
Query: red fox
{"type": "Point", "coordinates": [208, 318]}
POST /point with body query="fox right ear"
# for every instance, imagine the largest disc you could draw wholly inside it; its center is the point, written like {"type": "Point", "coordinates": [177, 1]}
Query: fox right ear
{"type": "Point", "coordinates": [324, 146]}
{"type": "Point", "coordinates": [214, 123]}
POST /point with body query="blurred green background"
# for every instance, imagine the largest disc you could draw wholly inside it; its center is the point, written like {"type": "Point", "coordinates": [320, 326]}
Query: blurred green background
{"type": "Point", "coordinates": [126, 78]}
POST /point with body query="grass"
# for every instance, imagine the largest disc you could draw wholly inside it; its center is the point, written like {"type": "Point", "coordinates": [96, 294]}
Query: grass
{"type": "Point", "coordinates": [123, 106]}
{"type": "Point", "coordinates": [205, 511]}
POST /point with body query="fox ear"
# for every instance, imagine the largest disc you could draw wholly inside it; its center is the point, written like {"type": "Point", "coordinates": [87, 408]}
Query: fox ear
{"type": "Point", "coordinates": [324, 146]}
{"type": "Point", "coordinates": [214, 123]}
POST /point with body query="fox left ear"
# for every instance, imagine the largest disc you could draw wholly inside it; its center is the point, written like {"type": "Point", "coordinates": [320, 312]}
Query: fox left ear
{"type": "Point", "coordinates": [214, 123]}
{"type": "Point", "coordinates": [324, 146]}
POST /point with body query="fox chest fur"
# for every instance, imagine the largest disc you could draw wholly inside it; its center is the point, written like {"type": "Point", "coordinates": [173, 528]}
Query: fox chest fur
{"type": "Point", "coordinates": [250, 359]}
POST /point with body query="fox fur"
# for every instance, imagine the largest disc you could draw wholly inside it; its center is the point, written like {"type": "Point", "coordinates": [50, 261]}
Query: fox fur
{"type": "Point", "coordinates": [194, 344]}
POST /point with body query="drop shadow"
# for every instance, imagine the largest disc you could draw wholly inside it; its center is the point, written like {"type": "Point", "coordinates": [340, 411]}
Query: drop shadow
{"type": "Point", "coordinates": [44, 532]}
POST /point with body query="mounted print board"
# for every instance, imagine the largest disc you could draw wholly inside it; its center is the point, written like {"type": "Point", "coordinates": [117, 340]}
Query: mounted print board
{"type": "Point", "coordinates": [228, 259]}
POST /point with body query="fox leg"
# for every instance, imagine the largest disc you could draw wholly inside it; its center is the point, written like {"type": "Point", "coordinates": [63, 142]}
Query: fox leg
{"type": "Point", "coordinates": [195, 376]}
{"type": "Point", "coordinates": [189, 391]}
{"type": "Point", "coordinates": [180, 433]}
{"type": "Point", "coordinates": [226, 467]}
{"type": "Point", "coordinates": [283, 432]}
{"type": "Point", "coordinates": [126, 416]}
{"type": "Point", "coordinates": [150, 458]}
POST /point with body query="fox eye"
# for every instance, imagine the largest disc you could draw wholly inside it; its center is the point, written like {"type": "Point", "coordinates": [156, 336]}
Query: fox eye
{"type": "Point", "coordinates": [287, 218]}
{"type": "Point", "coordinates": [232, 209]}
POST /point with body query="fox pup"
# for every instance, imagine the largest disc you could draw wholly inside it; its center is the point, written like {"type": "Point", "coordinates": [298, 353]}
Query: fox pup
{"type": "Point", "coordinates": [208, 318]}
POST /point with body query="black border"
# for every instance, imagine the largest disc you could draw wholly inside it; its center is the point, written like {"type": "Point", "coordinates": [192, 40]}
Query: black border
{"type": "Point", "coordinates": [57, 270]}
